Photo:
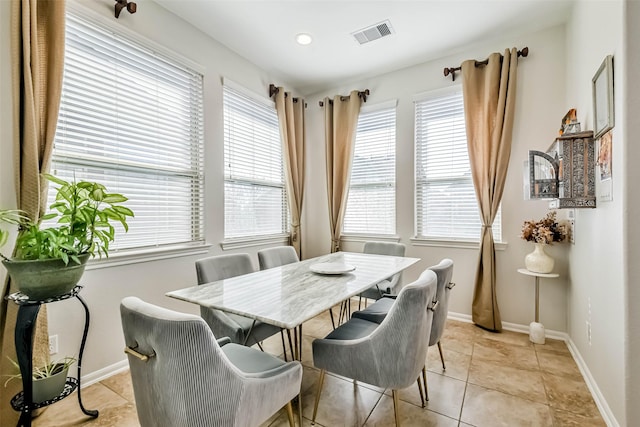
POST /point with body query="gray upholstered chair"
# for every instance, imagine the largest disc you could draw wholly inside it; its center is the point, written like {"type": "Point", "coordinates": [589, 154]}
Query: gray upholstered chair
{"type": "Point", "coordinates": [378, 311]}
{"type": "Point", "coordinates": [239, 329]}
{"type": "Point", "coordinates": [183, 377]}
{"type": "Point", "coordinates": [389, 354]}
{"type": "Point", "coordinates": [275, 257]}
{"type": "Point", "coordinates": [444, 271]}
{"type": "Point", "coordinates": [389, 285]}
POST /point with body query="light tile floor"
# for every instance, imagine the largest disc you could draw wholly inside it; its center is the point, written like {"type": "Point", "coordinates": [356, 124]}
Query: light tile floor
{"type": "Point", "coordinates": [491, 379]}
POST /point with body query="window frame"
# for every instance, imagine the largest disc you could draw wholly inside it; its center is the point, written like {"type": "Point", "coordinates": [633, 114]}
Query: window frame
{"type": "Point", "coordinates": [236, 242]}
{"type": "Point", "coordinates": [363, 236]}
{"type": "Point", "coordinates": [126, 256]}
{"type": "Point", "coordinates": [438, 241]}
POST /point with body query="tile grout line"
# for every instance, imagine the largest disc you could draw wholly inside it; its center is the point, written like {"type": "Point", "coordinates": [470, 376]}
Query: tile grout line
{"type": "Point", "coordinates": [374, 407]}
{"type": "Point", "coordinates": [544, 384]}
{"type": "Point", "coordinates": [466, 382]}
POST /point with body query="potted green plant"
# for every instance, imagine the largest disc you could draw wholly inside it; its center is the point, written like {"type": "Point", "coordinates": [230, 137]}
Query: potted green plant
{"type": "Point", "coordinates": [50, 261]}
{"type": "Point", "coordinates": [48, 381]}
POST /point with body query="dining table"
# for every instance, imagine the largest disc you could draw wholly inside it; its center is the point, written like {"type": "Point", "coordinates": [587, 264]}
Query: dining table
{"type": "Point", "coordinates": [289, 295]}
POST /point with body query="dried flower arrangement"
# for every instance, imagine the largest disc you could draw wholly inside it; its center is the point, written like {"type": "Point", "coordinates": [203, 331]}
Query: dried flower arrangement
{"type": "Point", "coordinates": [547, 230]}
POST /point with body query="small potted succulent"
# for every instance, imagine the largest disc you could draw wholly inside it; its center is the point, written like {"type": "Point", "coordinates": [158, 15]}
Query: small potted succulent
{"type": "Point", "coordinates": [48, 381]}
{"type": "Point", "coordinates": [50, 261]}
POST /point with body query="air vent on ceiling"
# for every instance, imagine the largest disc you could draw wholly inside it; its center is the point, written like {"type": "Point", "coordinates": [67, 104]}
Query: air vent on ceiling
{"type": "Point", "coordinates": [373, 32]}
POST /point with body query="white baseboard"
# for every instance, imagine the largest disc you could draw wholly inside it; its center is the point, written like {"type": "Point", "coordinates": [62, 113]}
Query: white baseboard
{"type": "Point", "coordinates": [601, 402]}
{"type": "Point", "coordinates": [104, 373]}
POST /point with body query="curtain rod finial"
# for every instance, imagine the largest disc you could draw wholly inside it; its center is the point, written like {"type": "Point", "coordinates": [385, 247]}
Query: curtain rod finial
{"type": "Point", "coordinates": [273, 90]}
{"type": "Point", "coordinates": [125, 4]}
{"type": "Point", "coordinates": [452, 71]}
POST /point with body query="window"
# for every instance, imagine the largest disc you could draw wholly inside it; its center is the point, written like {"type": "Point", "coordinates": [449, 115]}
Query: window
{"type": "Point", "coordinates": [371, 205]}
{"type": "Point", "coordinates": [255, 202]}
{"type": "Point", "coordinates": [132, 119]}
{"type": "Point", "coordinates": [446, 204]}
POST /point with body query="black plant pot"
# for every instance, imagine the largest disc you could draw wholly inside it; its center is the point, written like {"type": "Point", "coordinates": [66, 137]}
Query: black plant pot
{"type": "Point", "coordinates": [47, 278]}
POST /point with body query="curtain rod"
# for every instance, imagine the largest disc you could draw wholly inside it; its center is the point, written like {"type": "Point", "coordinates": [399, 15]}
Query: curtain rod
{"type": "Point", "coordinates": [362, 94]}
{"type": "Point", "coordinates": [273, 90]}
{"type": "Point", "coordinates": [452, 70]}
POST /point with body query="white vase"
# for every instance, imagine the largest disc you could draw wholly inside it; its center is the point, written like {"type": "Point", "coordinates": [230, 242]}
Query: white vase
{"type": "Point", "coordinates": [538, 261]}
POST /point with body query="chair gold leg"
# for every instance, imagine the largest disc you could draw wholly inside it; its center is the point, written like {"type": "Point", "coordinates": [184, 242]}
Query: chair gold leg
{"type": "Point", "coordinates": [396, 407]}
{"type": "Point", "coordinates": [300, 409]}
{"type": "Point", "coordinates": [441, 355]}
{"type": "Point", "coordinates": [290, 414]}
{"type": "Point", "coordinates": [424, 381]}
{"type": "Point", "coordinates": [315, 407]}
{"type": "Point", "coordinates": [419, 381]}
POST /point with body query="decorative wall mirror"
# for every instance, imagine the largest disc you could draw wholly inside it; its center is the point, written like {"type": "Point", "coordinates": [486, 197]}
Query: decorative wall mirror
{"type": "Point", "coordinates": [543, 175]}
{"type": "Point", "coordinates": [566, 172]}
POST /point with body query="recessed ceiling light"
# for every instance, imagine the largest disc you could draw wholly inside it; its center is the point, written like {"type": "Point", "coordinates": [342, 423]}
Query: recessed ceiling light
{"type": "Point", "coordinates": [304, 39]}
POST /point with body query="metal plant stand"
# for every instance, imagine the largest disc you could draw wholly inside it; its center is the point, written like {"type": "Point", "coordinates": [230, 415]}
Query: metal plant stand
{"type": "Point", "coordinates": [25, 326]}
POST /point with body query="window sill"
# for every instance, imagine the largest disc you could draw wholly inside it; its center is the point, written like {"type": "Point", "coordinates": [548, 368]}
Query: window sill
{"type": "Point", "coordinates": [135, 256]}
{"type": "Point", "coordinates": [361, 238]}
{"type": "Point", "coordinates": [459, 244]}
{"type": "Point", "coordinates": [247, 242]}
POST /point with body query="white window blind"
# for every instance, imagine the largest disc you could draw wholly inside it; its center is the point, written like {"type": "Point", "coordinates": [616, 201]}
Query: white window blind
{"type": "Point", "coordinates": [446, 204]}
{"type": "Point", "coordinates": [371, 204]}
{"type": "Point", "coordinates": [132, 120]}
{"type": "Point", "coordinates": [255, 201]}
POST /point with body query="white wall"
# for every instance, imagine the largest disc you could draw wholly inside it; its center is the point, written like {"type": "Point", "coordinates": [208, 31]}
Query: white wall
{"type": "Point", "coordinates": [539, 107]}
{"type": "Point", "coordinates": [105, 287]}
{"type": "Point", "coordinates": [597, 261]}
{"type": "Point", "coordinates": [631, 154]}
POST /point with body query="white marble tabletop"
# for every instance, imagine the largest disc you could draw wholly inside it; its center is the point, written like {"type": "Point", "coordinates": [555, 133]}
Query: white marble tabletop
{"type": "Point", "coordinates": [289, 295]}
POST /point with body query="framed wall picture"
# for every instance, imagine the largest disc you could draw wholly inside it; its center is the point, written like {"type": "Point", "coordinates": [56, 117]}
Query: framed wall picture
{"type": "Point", "coordinates": [602, 85]}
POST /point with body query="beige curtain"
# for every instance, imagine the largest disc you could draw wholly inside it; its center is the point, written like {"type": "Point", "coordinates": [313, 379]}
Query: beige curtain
{"type": "Point", "coordinates": [37, 29]}
{"type": "Point", "coordinates": [489, 100]}
{"type": "Point", "coordinates": [291, 118]}
{"type": "Point", "coordinates": [340, 122]}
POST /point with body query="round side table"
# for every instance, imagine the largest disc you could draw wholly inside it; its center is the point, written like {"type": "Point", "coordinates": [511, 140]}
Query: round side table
{"type": "Point", "coordinates": [536, 329]}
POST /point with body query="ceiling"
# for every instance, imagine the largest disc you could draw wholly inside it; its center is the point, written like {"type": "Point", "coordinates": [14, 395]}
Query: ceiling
{"type": "Point", "coordinates": [264, 32]}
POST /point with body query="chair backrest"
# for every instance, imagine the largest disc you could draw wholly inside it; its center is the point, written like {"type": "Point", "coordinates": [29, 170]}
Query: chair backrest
{"type": "Point", "coordinates": [275, 257]}
{"type": "Point", "coordinates": [188, 378]}
{"type": "Point", "coordinates": [386, 248]}
{"type": "Point", "coordinates": [405, 332]}
{"type": "Point", "coordinates": [444, 272]}
{"type": "Point", "coordinates": [222, 267]}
